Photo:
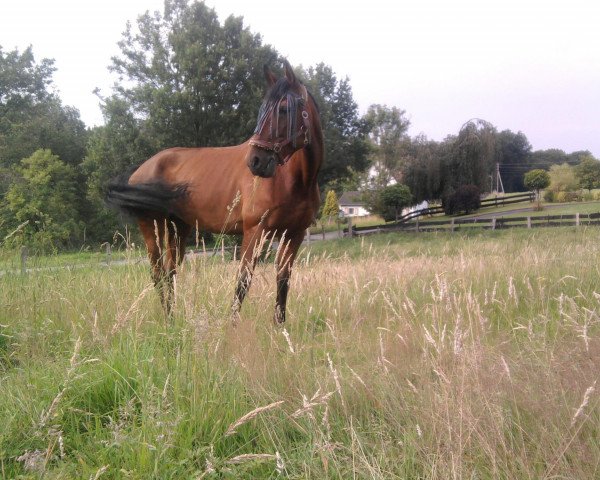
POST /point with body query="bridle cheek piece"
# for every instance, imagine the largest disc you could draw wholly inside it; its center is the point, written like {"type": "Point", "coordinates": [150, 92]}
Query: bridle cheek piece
{"type": "Point", "coordinates": [276, 147]}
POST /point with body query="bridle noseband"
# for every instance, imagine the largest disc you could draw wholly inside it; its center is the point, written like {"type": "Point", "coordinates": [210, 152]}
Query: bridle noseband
{"type": "Point", "coordinates": [270, 111]}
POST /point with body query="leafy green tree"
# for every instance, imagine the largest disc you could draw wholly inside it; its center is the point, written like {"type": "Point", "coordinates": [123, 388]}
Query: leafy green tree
{"type": "Point", "coordinates": [44, 198]}
{"type": "Point", "coordinates": [545, 158]}
{"type": "Point", "coordinates": [514, 155]}
{"type": "Point", "coordinates": [193, 81]}
{"type": "Point", "coordinates": [331, 206]}
{"type": "Point", "coordinates": [588, 173]}
{"type": "Point", "coordinates": [389, 201]}
{"type": "Point", "coordinates": [562, 178]}
{"type": "Point", "coordinates": [346, 146]}
{"type": "Point", "coordinates": [394, 198]}
{"type": "Point", "coordinates": [113, 149]}
{"type": "Point", "coordinates": [423, 168]}
{"type": "Point", "coordinates": [31, 116]}
{"type": "Point", "coordinates": [472, 157]}
{"type": "Point", "coordinates": [387, 133]}
{"type": "Point", "coordinates": [537, 180]}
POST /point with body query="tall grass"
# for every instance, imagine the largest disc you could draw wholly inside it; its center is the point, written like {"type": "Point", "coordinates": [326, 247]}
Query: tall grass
{"type": "Point", "coordinates": [404, 356]}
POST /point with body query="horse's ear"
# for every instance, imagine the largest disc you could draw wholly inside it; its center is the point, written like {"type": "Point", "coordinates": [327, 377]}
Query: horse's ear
{"type": "Point", "coordinates": [289, 73]}
{"type": "Point", "coordinates": [269, 77]}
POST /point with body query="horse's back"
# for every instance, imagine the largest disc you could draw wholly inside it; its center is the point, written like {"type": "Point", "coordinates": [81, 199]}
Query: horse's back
{"type": "Point", "coordinates": [181, 165]}
{"type": "Point", "coordinates": [211, 176]}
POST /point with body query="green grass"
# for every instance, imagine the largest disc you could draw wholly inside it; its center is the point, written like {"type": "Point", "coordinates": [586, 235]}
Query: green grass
{"type": "Point", "coordinates": [367, 221]}
{"type": "Point", "coordinates": [404, 356]}
{"type": "Point", "coordinates": [525, 209]}
{"type": "Point", "coordinates": [11, 259]}
{"type": "Point", "coordinates": [583, 208]}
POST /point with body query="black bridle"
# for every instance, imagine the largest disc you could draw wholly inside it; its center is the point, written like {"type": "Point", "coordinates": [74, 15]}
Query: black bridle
{"type": "Point", "coordinates": [270, 111]}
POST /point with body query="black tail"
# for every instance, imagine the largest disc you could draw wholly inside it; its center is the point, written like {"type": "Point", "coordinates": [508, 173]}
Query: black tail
{"type": "Point", "coordinates": [143, 199]}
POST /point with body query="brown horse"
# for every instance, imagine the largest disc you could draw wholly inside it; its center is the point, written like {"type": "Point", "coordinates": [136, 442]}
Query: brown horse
{"type": "Point", "coordinates": [265, 187]}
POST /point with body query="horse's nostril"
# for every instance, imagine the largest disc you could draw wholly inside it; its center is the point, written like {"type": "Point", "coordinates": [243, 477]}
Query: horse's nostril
{"type": "Point", "coordinates": [255, 162]}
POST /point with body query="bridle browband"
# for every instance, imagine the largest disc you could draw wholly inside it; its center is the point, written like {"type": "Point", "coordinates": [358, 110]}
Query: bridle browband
{"type": "Point", "coordinates": [269, 110]}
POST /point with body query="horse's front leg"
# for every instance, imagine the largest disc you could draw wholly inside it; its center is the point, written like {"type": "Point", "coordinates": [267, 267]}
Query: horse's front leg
{"type": "Point", "coordinates": [252, 244]}
{"type": "Point", "coordinates": [284, 260]}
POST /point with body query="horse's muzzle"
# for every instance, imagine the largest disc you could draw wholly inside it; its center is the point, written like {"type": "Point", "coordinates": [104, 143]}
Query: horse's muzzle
{"type": "Point", "coordinates": [262, 164]}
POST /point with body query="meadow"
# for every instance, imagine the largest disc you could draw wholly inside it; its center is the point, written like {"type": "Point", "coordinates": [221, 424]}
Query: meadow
{"type": "Point", "coordinates": [411, 356]}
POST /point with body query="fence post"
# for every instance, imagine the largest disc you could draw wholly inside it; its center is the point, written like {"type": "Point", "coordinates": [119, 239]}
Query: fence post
{"type": "Point", "coordinates": [494, 223]}
{"type": "Point", "coordinates": [350, 232]}
{"type": "Point", "coordinates": [308, 236]}
{"type": "Point", "coordinates": [577, 219]}
{"type": "Point", "coordinates": [108, 253]}
{"type": "Point", "coordinates": [417, 224]}
{"type": "Point", "coordinates": [452, 225]}
{"type": "Point", "coordinates": [528, 222]}
{"type": "Point", "coordinates": [24, 253]}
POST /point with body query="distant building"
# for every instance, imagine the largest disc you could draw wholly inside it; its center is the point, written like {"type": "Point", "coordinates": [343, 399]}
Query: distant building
{"type": "Point", "coordinates": [421, 206]}
{"type": "Point", "coordinates": [352, 205]}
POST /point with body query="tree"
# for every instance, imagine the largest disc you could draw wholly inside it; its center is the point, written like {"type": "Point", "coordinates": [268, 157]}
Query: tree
{"type": "Point", "coordinates": [545, 158]}
{"type": "Point", "coordinates": [423, 169]}
{"type": "Point", "coordinates": [395, 198]}
{"type": "Point", "coordinates": [193, 81]}
{"type": "Point", "coordinates": [562, 178]}
{"type": "Point", "coordinates": [331, 206]}
{"type": "Point", "coordinates": [588, 172]}
{"type": "Point", "coordinates": [472, 157]}
{"type": "Point", "coordinates": [514, 154]}
{"type": "Point", "coordinates": [387, 134]}
{"type": "Point", "coordinates": [31, 116]}
{"type": "Point", "coordinates": [537, 180]}
{"type": "Point", "coordinates": [389, 201]}
{"type": "Point", "coordinates": [112, 150]}
{"type": "Point", "coordinates": [44, 198]}
{"type": "Point", "coordinates": [346, 146]}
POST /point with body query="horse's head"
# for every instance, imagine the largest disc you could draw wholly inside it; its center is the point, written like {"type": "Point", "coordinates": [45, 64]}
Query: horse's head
{"type": "Point", "coordinates": [283, 125]}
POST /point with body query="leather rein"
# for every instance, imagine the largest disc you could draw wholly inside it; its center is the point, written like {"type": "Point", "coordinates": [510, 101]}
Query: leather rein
{"type": "Point", "coordinates": [272, 112]}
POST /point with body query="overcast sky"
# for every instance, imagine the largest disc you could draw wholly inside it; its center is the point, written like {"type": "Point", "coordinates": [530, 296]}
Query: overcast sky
{"type": "Point", "coordinates": [524, 65]}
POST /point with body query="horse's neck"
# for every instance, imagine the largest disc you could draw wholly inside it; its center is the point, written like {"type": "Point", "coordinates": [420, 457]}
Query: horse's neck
{"type": "Point", "coordinates": [313, 157]}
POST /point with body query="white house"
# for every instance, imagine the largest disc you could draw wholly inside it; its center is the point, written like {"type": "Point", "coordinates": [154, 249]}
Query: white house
{"type": "Point", "coordinates": [352, 205]}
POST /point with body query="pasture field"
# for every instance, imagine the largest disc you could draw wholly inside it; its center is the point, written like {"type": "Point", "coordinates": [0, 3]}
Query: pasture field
{"type": "Point", "coordinates": [435, 356]}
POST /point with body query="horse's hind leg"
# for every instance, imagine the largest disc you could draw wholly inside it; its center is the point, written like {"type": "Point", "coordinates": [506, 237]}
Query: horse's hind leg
{"type": "Point", "coordinates": [177, 233]}
{"type": "Point", "coordinates": [284, 260]}
{"type": "Point", "coordinates": [153, 231]}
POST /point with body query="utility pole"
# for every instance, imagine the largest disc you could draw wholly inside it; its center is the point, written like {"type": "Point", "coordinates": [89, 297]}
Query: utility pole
{"type": "Point", "coordinates": [499, 186]}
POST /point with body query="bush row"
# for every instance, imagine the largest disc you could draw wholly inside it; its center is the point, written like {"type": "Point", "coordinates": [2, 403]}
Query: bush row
{"type": "Point", "coordinates": [575, 196]}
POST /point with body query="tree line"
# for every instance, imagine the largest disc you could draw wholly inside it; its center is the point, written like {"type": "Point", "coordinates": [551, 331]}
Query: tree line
{"type": "Point", "coordinates": [186, 79]}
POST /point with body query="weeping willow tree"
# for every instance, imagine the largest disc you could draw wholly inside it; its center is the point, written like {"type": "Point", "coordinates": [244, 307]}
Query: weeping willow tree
{"type": "Point", "coordinates": [472, 157]}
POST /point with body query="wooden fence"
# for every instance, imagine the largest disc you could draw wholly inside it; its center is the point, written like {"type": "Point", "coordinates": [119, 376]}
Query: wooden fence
{"type": "Point", "coordinates": [488, 202]}
{"type": "Point", "coordinates": [494, 223]}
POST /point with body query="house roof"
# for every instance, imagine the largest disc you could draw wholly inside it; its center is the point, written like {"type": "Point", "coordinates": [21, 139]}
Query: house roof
{"type": "Point", "coordinates": [351, 199]}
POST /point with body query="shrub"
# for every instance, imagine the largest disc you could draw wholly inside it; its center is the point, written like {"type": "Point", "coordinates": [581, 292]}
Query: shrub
{"type": "Point", "coordinates": [587, 196]}
{"type": "Point", "coordinates": [466, 198]}
{"type": "Point", "coordinates": [549, 196]}
{"type": "Point", "coordinates": [562, 197]}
